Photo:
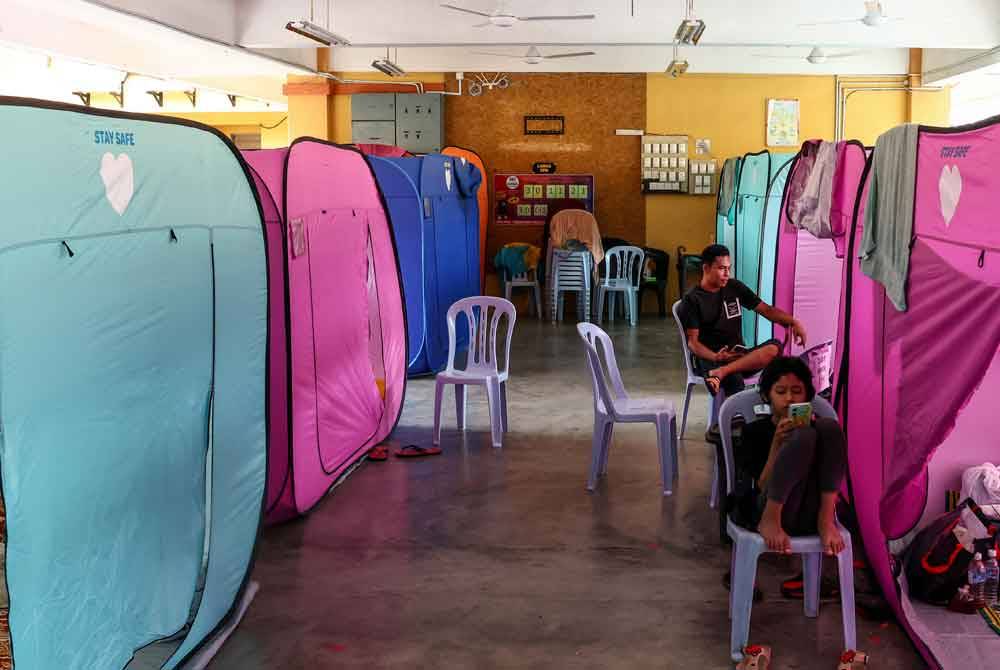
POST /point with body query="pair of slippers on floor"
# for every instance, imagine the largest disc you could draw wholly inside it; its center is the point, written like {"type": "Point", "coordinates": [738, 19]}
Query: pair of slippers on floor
{"type": "Point", "coordinates": [381, 452]}
{"type": "Point", "coordinates": [758, 657]}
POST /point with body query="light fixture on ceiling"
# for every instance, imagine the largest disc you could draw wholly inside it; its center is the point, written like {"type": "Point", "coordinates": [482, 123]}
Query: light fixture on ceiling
{"type": "Point", "coordinates": [691, 29]}
{"type": "Point", "coordinates": [677, 66]}
{"type": "Point", "coordinates": [386, 66]}
{"type": "Point", "coordinates": [317, 33]}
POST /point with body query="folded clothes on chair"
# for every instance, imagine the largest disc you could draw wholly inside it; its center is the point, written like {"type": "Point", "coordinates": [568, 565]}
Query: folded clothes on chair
{"type": "Point", "coordinates": [517, 258]}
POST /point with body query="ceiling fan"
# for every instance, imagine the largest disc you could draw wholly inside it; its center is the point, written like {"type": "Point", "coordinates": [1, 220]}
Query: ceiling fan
{"type": "Point", "coordinates": [874, 17]}
{"type": "Point", "coordinates": [533, 56]}
{"type": "Point", "coordinates": [817, 56]}
{"type": "Point", "coordinates": [502, 18]}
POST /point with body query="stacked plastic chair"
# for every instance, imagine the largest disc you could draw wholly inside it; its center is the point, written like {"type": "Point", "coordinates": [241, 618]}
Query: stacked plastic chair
{"type": "Point", "coordinates": [571, 270]}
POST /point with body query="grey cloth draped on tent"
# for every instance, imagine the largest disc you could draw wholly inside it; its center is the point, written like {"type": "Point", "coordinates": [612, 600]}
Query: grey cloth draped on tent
{"type": "Point", "coordinates": [888, 230]}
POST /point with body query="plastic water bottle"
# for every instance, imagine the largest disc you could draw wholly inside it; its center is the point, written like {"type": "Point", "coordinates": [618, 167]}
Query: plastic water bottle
{"type": "Point", "coordinates": [977, 580]}
{"type": "Point", "coordinates": [992, 578]}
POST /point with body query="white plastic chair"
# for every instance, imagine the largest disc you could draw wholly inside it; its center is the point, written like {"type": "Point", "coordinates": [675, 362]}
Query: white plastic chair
{"type": "Point", "coordinates": [748, 545]}
{"type": "Point", "coordinates": [623, 271]}
{"type": "Point", "coordinates": [613, 405]}
{"type": "Point", "coordinates": [527, 279]}
{"type": "Point", "coordinates": [483, 315]}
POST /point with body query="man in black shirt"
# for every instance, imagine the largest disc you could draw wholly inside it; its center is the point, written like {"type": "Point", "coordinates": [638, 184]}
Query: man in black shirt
{"type": "Point", "coordinates": [711, 314]}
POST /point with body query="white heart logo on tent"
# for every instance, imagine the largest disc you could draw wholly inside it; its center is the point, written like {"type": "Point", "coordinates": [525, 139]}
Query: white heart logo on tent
{"type": "Point", "coordinates": [950, 189]}
{"type": "Point", "coordinates": [119, 180]}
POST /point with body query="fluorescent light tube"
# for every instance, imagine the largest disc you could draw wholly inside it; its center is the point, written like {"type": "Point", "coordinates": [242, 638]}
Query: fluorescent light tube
{"type": "Point", "coordinates": [317, 33]}
{"type": "Point", "coordinates": [386, 66]}
{"type": "Point", "coordinates": [690, 31]}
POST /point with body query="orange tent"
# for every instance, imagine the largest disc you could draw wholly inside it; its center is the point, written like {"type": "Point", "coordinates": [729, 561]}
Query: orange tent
{"type": "Point", "coordinates": [484, 204]}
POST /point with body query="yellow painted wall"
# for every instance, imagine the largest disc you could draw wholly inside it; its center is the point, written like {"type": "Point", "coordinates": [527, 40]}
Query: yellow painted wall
{"type": "Point", "coordinates": [868, 114]}
{"type": "Point", "coordinates": [273, 126]}
{"type": "Point", "coordinates": [340, 119]}
{"type": "Point", "coordinates": [931, 108]}
{"type": "Point", "coordinates": [731, 110]}
{"type": "Point", "coordinates": [308, 115]}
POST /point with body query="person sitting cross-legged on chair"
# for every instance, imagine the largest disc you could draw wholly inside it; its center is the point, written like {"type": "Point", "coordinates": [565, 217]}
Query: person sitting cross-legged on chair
{"type": "Point", "coordinates": [795, 472]}
{"type": "Point", "coordinates": [711, 313]}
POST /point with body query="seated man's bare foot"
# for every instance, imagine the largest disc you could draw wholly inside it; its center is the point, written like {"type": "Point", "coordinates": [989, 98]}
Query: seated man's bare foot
{"type": "Point", "coordinates": [774, 535]}
{"type": "Point", "coordinates": [829, 535]}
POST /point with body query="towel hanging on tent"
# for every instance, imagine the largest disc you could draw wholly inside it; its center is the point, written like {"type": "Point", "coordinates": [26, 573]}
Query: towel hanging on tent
{"type": "Point", "coordinates": [810, 189]}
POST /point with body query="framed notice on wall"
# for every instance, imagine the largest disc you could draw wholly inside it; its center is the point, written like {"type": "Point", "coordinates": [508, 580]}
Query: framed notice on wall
{"type": "Point", "coordinates": [530, 199]}
{"type": "Point", "coordinates": [782, 123]}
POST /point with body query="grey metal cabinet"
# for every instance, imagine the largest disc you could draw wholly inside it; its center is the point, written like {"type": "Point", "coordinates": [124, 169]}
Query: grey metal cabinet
{"type": "Point", "coordinates": [373, 107]}
{"type": "Point", "coordinates": [373, 132]}
{"type": "Point", "coordinates": [413, 122]}
{"type": "Point", "coordinates": [419, 122]}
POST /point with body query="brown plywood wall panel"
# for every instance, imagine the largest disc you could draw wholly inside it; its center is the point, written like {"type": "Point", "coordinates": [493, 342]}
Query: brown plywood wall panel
{"type": "Point", "coordinates": [594, 105]}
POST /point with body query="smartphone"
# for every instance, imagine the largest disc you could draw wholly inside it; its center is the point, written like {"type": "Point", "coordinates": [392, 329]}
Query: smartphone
{"type": "Point", "coordinates": [800, 413]}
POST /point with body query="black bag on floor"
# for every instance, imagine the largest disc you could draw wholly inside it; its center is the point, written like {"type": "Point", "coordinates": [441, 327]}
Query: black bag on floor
{"type": "Point", "coordinates": [936, 563]}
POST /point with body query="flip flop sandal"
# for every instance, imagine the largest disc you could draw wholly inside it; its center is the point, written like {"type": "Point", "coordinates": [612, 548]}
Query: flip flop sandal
{"type": "Point", "coordinates": [416, 451]}
{"type": "Point", "coordinates": [756, 657]}
{"type": "Point", "coordinates": [378, 454]}
{"type": "Point", "coordinates": [852, 660]}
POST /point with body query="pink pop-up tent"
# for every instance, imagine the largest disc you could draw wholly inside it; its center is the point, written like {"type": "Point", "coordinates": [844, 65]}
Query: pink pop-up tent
{"type": "Point", "coordinates": [809, 271]}
{"type": "Point", "coordinates": [918, 389]}
{"type": "Point", "coordinates": [338, 332]}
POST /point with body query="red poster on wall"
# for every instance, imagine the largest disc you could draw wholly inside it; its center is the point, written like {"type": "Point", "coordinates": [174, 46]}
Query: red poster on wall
{"type": "Point", "coordinates": [530, 199]}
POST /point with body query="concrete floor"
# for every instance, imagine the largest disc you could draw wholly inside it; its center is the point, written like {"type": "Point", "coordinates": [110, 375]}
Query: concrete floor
{"type": "Point", "coordinates": [499, 558]}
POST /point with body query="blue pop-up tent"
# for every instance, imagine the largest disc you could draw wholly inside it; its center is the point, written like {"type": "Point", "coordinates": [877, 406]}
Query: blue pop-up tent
{"type": "Point", "coordinates": [435, 218]}
{"type": "Point", "coordinates": [751, 192]}
{"type": "Point", "coordinates": [755, 201]}
{"type": "Point", "coordinates": [779, 171]}
{"type": "Point", "coordinates": [725, 230]}
{"type": "Point", "coordinates": [133, 340]}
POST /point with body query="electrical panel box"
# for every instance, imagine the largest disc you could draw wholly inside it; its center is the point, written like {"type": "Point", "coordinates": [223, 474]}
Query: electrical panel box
{"type": "Point", "coordinates": [373, 107]}
{"type": "Point", "coordinates": [419, 122]}
{"type": "Point", "coordinates": [373, 132]}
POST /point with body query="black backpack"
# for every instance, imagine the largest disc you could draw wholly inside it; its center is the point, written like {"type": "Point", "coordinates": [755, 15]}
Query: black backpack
{"type": "Point", "coordinates": [936, 563]}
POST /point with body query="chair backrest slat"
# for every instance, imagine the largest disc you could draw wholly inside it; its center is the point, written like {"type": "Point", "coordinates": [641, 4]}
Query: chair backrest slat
{"type": "Point", "coordinates": [483, 315]}
{"type": "Point", "coordinates": [595, 340]}
{"type": "Point", "coordinates": [624, 262]}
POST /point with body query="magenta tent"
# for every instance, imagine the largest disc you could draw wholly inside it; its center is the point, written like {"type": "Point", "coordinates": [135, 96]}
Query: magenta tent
{"type": "Point", "coordinates": [809, 271]}
{"type": "Point", "coordinates": [383, 150]}
{"type": "Point", "coordinates": [338, 339]}
{"type": "Point", "coordinates": [918, 389]}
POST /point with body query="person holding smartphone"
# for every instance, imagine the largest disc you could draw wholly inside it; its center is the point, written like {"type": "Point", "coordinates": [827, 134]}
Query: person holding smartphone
{"type": "Point", "coordinates": [712, 316]}
{"type": "Point", "coordinates": [796, 462]}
